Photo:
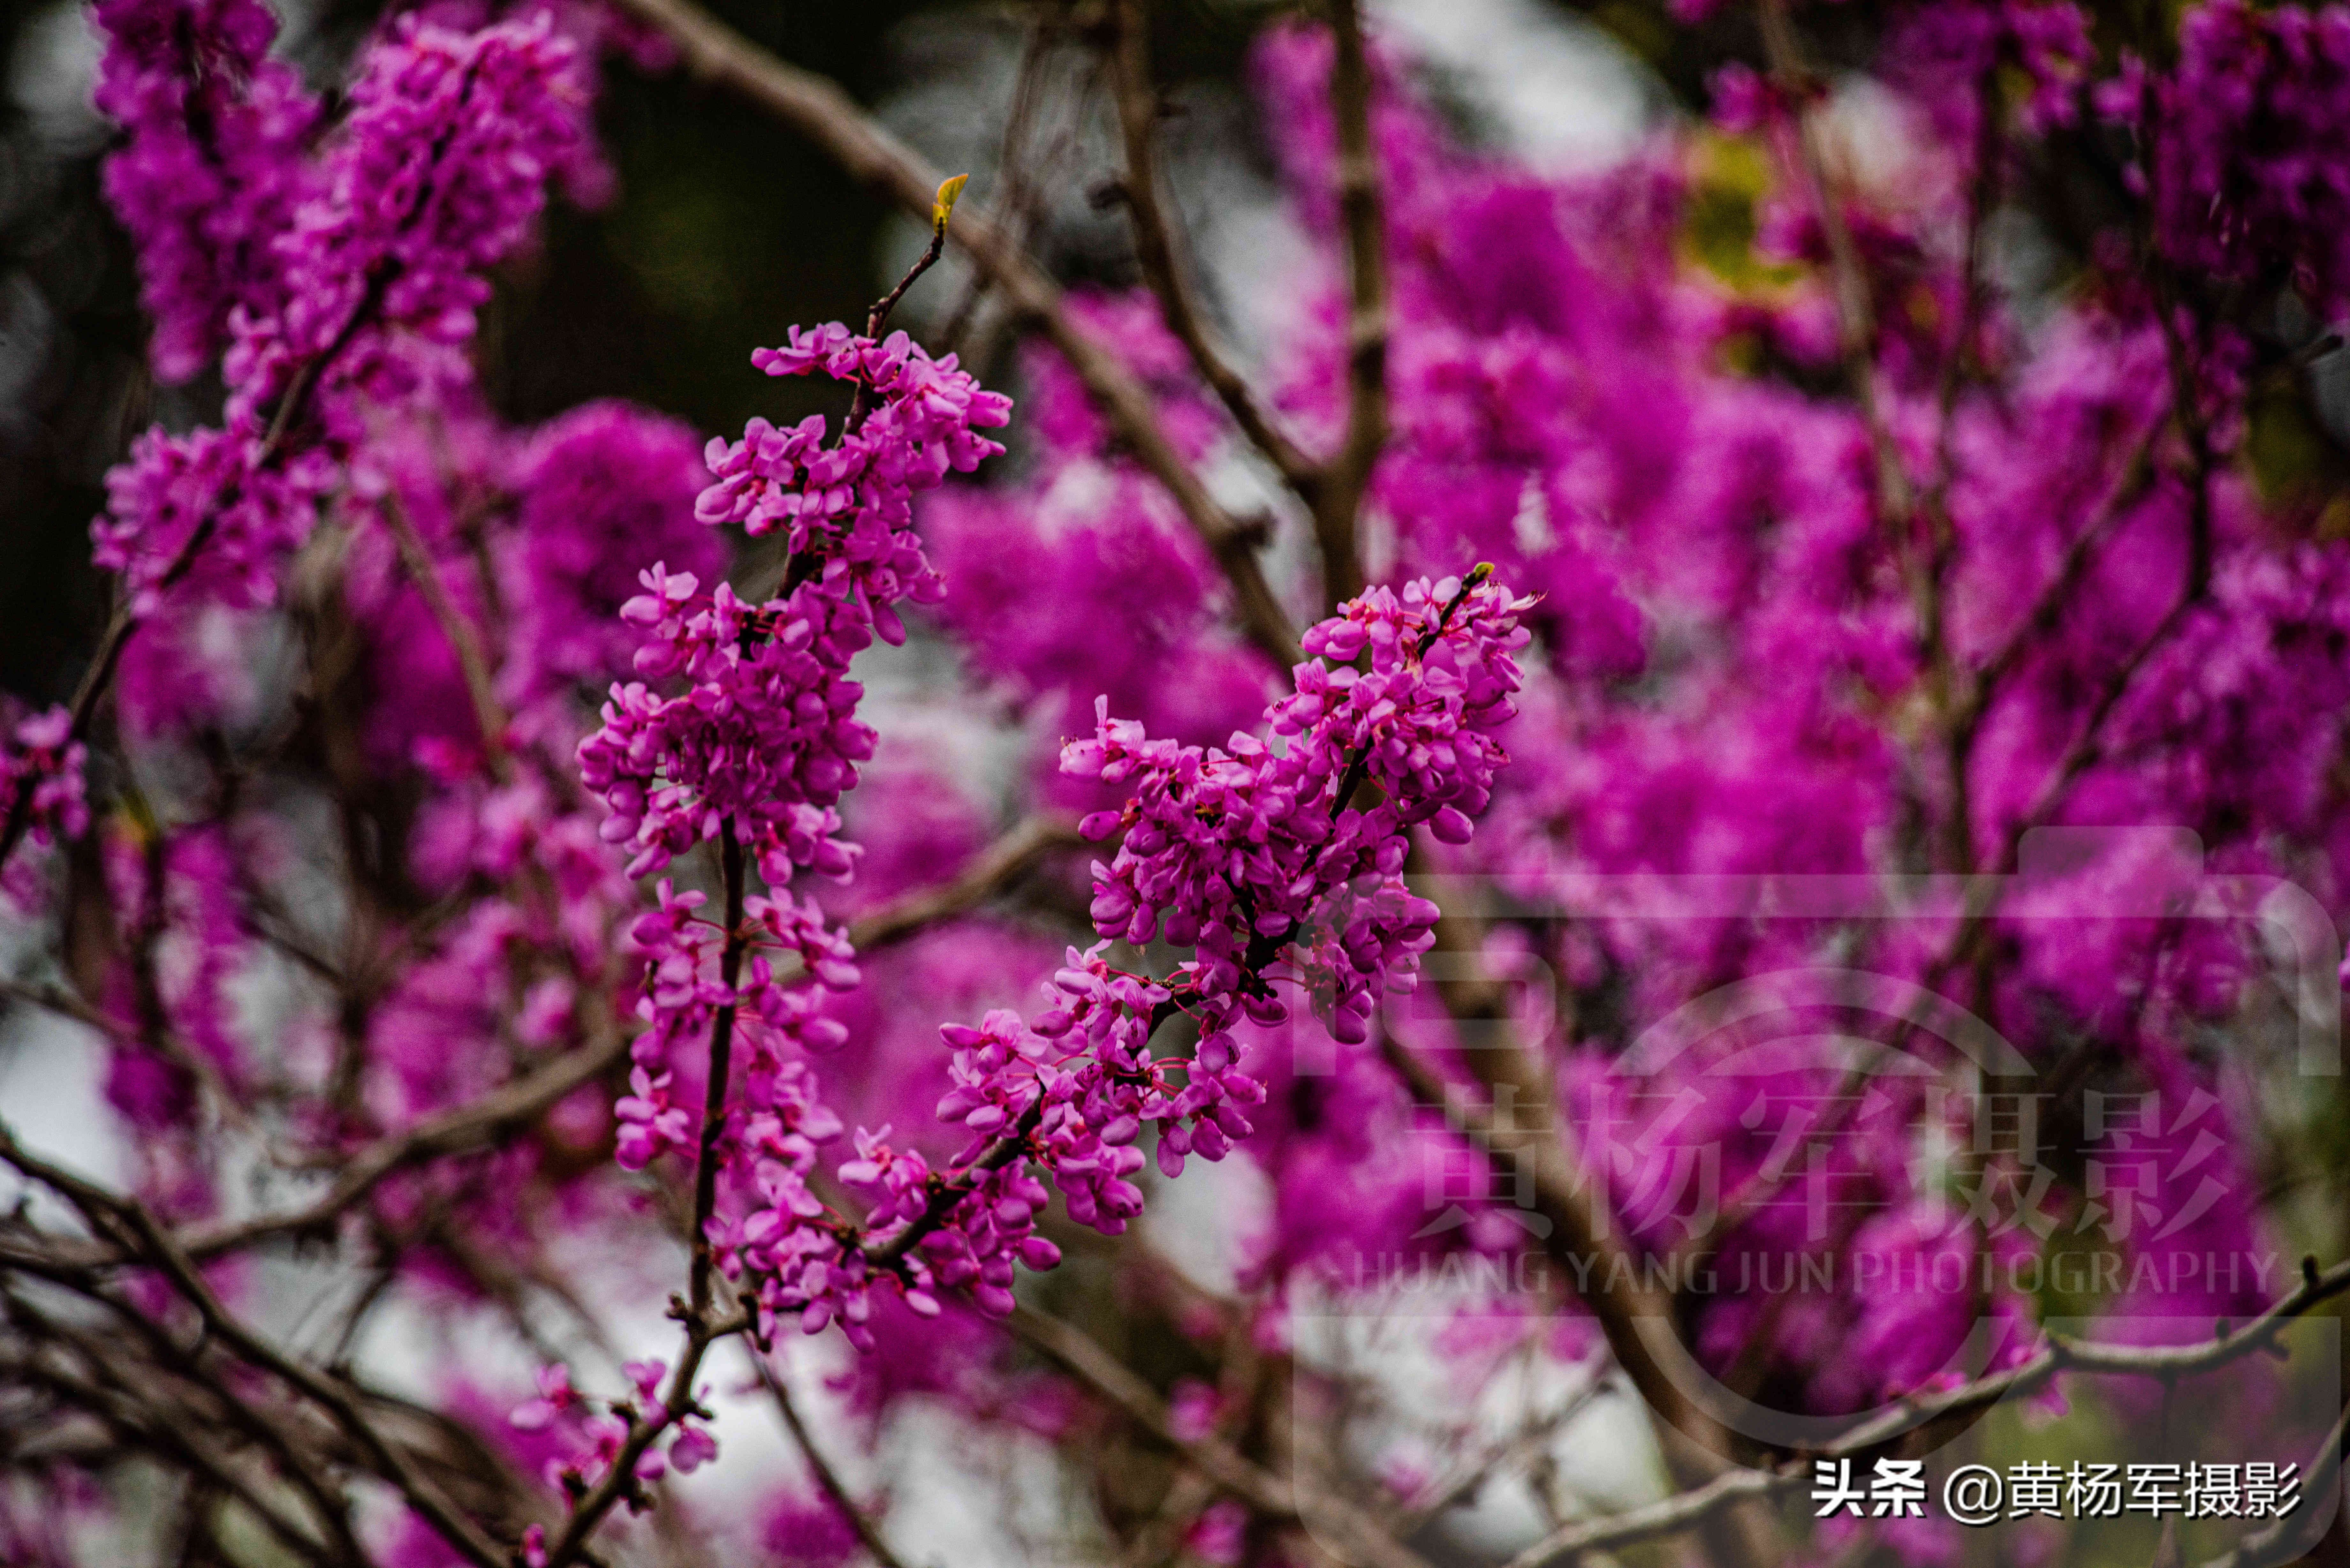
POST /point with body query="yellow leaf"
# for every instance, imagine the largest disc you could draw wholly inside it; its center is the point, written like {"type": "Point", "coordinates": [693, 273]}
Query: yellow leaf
{"type": "Point", "coordinates": [943, 206]}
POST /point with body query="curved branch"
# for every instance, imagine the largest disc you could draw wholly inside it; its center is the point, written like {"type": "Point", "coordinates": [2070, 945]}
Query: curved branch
{"type": "Point", "coordinates": [1154, 249]}
{"type": "Point", "coordinates": [828, 1480]}
{"type": "Point", "coordinates": [995, 868]}
{"type": "Point", "coordinates": [1337, 495]}
{"type": "Point", "coordinates": [150, 1241]}
{"type": "Point", "coordinates": [1077, 1353]}
{"type": "Point", "coordinates": [1674, 1515]}
{"type": "Point", "coordinates": [481, 1121]}
{"type": "Point", "coordinates": [1001, 861]}
{"type": "Point", "coordinates": [2298, 1532]}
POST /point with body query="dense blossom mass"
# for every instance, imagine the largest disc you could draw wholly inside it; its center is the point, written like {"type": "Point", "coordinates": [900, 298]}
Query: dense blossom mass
{"type": "Point", "coordinates": [211, 164]}
{"type": "Point", "coordinates": [759, 740]}
{"type": "Point", "coordinates": [2242, 149]}
{"type": "Point", "coordinates": [438, 170]}
{"type": "Point", "coordinates": [1832, 633]}
{"type": "Point", "coordinates": [1239, 854]}
{"type": "Point", "coordinates": [356, 291]}
{"type": "Point", "coordinates": [41, 779]}
{"type": "Point", "coordinates": [757, 745]}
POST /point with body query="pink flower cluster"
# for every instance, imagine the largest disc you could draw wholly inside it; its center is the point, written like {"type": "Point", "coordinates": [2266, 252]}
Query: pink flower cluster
{"type": "Point", "coordinates": [205, 509]}
{"type": "Point", "coordinates": [2247, 164]}
{"type": "Point", "coordinates": [1571, 401]}
{"type": "Point", "coordinates": [1239, 854]}
{"type": "Point", "coordinates": [601, 488]}
{"type": "Point", "coordinates": [1082, 1075]}
{"type": "Point", "coordinates": [210, 165]}
{"type": "Point", "coordinates": [1071, 1093]}
{"type": "Point", "coordinates": [1246, 851]}
{"type": "Point", "coordinates": [761, 742]}
{"type": "Point", "coordinates": [1621, 386]}
{"type": "Point", "coordinates": [41, 777]}
{"type": "Point", "coordinates": [592, 1438]}
{"type": "Point", "coordinates": [765, 733]}
{"type": "Point", "coordinates": [681, 999]}
{"type": "Point", "coordinates": [437, 172]}
{"type": "Point", "coordinates": [1946, 56]}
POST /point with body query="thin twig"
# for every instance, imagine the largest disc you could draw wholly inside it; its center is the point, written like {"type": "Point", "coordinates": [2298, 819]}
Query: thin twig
{"type": "Point", "coordinates": [1448, 1494]}
{"type": "Point", "coordinates": [1675, 1514]}
{"type": "Point", "coordinates": [1856, 315]}
{"type": "Point", "coordinates": [460, 1129]}
{"type": "Point", "coordinates": [165, 1041]}
{"type": "Point", "coordinates": [995, 868]}
{"type": "Point", "coordinates": [735, 870]}
{"type": "Point", "coordinates": [167, 1356]}
{"type": "Point", "coordinates": [1338, 494]}
{"type": "Point", "coordinates": [479, 1123]}
{"type": "Point", "coordinates": [1162, 269]}
{"type": "Point", "coordinates": [2299, 1531]}
{"type": "Point", "coordinates": [1348, 1526]}
{"type": "Point", "coordinates": [620, 1481]}
{"type": "Point", "coordinates": [828, 1480]}
{"type": "Point", "coordinates": [153, 1241]}
{"type": "Point", "coordinates": [489, 714]}
{"type": "Point", "coordinates": [942, 204]}
{"type": "Point", "coordinates": [165, 1426]}
{"type": "Point", "coordinates": [1582, 1233]}
{"type": "Point", "coordinates": [1942, 539]}
{"type": "Point", "coordinates": [292, 407]}
{"type": "Point", "coordinates": [1020, 196]}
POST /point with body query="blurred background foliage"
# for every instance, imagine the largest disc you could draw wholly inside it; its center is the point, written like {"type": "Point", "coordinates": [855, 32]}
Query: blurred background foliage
{"type": "Point", "coordinates": [724, 228]}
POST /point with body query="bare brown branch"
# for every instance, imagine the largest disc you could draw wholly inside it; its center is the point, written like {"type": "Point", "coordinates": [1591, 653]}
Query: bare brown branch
{"type": "Point", "coordinates": [136, 1230]}
{"type": "Point", "coordinates": [828, 1480]}
{"type": "Point", "coordinates": [1155, 248]}
{"type": "Point", "coordinates": [1348, 1526]}
{"type": "Point", "coordinates": [1583, 1234]}
{"type": "Point", "coordinates": [1338, 494]}
{"type": "Point", "coordinates": [1676, 1515]}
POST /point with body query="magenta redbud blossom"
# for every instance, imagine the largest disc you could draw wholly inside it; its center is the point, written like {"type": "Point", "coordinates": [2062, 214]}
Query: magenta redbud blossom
{"type": "Point", "coordinates": [692, 1448]}
{"type": "Point", "coordinates": [1244, 851]}
{"type": "Point", "coordinates": [210, 167]}
{"type": "Point", "coordinates": [743, 720]}
{"type": "Point", "coordinates": [2247, 165]}
{"type": "Point", "coordinates": [554, 1396]}
{"type": "Point", "coordinates": [437, 172]}
{"type": "Point", "coordinates": [41, 776]}
{"type": "Point", "coordinates": [1257, 856]}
